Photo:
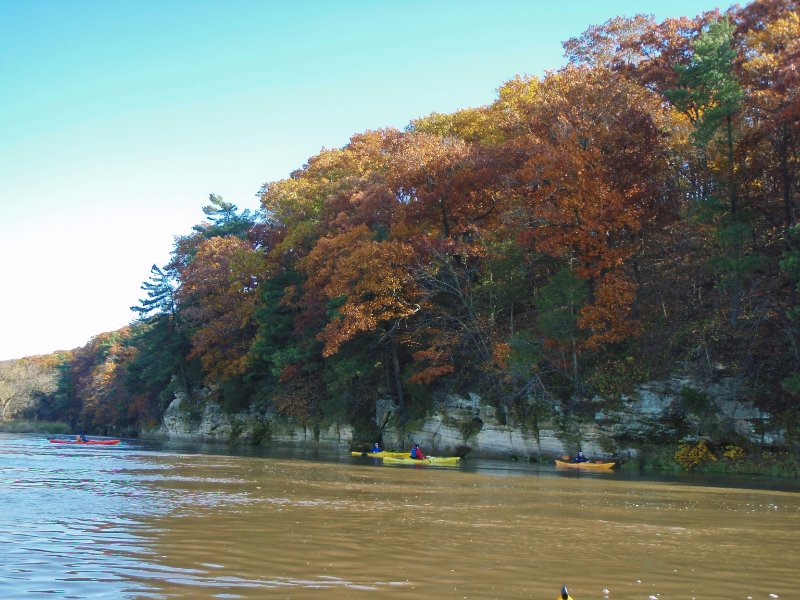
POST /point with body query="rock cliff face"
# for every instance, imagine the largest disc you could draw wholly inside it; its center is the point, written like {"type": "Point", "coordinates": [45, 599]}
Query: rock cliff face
{"type": "Point", "coordinates": [681, 407]}
{"type": "Point", "coordinates": [651, 410]}
{"type": "Point", "coordinates": [662, 408]}
{"type": "Point", "coordinates": [247, 428]}
{"type": "Point", "coordinates": [466, 421]}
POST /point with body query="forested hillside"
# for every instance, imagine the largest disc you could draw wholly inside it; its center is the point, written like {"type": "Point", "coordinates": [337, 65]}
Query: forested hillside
{"type": "Point", "coordinates": [632, 214]}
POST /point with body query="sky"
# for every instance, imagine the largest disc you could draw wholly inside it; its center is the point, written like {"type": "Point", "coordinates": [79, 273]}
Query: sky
{"type": "Point", "coordinates": [118, 118]}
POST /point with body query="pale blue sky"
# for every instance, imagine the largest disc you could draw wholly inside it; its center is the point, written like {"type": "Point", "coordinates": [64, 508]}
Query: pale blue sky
{"type": "Point", "coordinates": [119, 118]}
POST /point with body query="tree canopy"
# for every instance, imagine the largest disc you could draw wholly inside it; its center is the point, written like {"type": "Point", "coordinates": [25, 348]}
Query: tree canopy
{"type": "Point", "coordinates": [639, 202]}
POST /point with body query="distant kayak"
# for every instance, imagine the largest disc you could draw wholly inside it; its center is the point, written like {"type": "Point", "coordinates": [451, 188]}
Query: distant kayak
{"type": "Point", "coordinates": [429, 460]}
{"type": "Point", "coordinates": [86, 443]}
{"type": "Point", "coordinates": [585, 465]}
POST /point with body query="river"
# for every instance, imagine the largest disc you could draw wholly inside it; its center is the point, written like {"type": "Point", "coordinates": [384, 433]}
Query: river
{"type": "Point", "coordinates": [154, 520]}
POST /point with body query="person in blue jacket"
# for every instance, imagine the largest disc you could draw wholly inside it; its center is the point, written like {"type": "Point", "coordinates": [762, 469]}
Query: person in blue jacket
{"type": "Point", "coordinates": [376, 448]}
{"type": "Point", "coordinates": [579, 458]}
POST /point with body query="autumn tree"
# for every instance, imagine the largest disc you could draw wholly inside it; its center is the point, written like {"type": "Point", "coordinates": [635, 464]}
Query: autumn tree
{"type": "Point", "coordinates": [223, 219]}
{"type": "Point", "coordinates": [616, 44]}
{"type": "Point", "coordinates": [790, 265]}
{"type": "Point", "coordinates": [559, 304]}
{"type": "Point", "coordinates": [162, 339]}
{"type": "Point", "coordinates": [709, 94]}
{"type": "Point", "coordinates": [370, 285]}
{"type": "Point", "coordinates": [458, 326]}
{"type": "Point", "coordinates": [591, 184]}
{"type": "Point", "coordinates": [301, 204]}
{"type": "Point", "coordinates": [445, 176]}
{"type": "Point", "coordinates": [218, 289]}
{"type": "Point", "coordinates": [772, 61]}
{"type": "Point", "coordinates": [472, 125]}
{"type": "Point", "coordinates": [444, 185]}
{"type": "Point", "coordinates": [97, 377]}
{"type": "Point", "coordinates": [24, 381]}
{"type": "Point", "coordinates": [61, 404]}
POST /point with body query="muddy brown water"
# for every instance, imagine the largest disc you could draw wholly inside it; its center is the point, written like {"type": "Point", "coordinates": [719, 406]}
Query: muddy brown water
{"type": "Point", "coordinates": [150, 521]}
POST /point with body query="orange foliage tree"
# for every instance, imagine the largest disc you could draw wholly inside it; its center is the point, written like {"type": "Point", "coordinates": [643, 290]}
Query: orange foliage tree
{"type": "Point", "coordinates": [592, 181]}
{"type": "Point", "coordinates": [218, 293]}
{"type": "Point", "coordinates": [771, 71]}
{"type": "Point", "coordinates": [442, 183]}
{"type": "Point", "coordinates": [98, 376]}
{"type": "Point", "coordinates": [373, 279]}
{"type": "Point", "coordinates": [371, 283]}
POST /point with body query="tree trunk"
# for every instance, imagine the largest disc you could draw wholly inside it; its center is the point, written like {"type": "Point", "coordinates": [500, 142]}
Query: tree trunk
{"type": "Point", "coordinates": [575, 365]}
{"type": "Point", "coordinates": [174, 331]}
{"type": "Point", "coordinates": [401, 402]}
{"type": "Point", "coordinates": [185, 382]}
{"type": "Point", "coordinates": [788, 205]}
{"type": "Point", "coordinates": [786, 180]}
{"type": "Point", "coordinates": [731, 178]}
{"type": "Point", "coordinates": [445, 222]}
{"type": "Point", "coordinates": [576, 384]}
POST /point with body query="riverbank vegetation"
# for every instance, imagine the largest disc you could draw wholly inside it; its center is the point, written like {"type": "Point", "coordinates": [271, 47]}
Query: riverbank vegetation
{"type": "Point", "coordinates": [26, 426]}
{"type": "Point", "coordinates": [728, 459]}
{"type": "Point", "coordinates": [629, 215]}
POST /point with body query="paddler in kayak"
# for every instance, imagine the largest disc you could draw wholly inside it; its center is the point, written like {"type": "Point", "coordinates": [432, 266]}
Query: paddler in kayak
{"type": "Point", "coordinates": [580, 458]}
{"type": "Point", "coordinates": [81, 437]}
{"type": "Point", "coordinates": [416, 452]}
{"type": "Point", "coordinates": [376, 448]}
{"type": "Point", "coordinates": [564, 594]}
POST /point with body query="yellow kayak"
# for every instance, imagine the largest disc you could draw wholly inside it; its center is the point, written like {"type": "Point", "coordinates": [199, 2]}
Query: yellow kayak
{"type": "Point", "coordinates": [430, 460]}
{"type": "Point", "coordinates": [383, 454]}
{"type": "Point", "coordinates": [585, 465]}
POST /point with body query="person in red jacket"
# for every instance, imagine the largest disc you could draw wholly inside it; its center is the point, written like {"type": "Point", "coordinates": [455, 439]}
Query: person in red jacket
{"type": "Point", "coordinates": [416, 452]}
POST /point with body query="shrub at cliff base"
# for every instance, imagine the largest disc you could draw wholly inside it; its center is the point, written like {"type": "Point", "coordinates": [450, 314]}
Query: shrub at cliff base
{"type": "Point", "coordinates": [690, 456]}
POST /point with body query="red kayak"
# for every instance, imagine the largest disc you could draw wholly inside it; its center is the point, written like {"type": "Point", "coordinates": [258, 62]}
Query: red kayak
{"type": "Point", "coordinates": [86, 443]}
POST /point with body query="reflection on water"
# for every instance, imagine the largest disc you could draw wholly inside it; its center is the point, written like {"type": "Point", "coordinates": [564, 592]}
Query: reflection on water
{"type": "Point", "coordinates": [165, 521]}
